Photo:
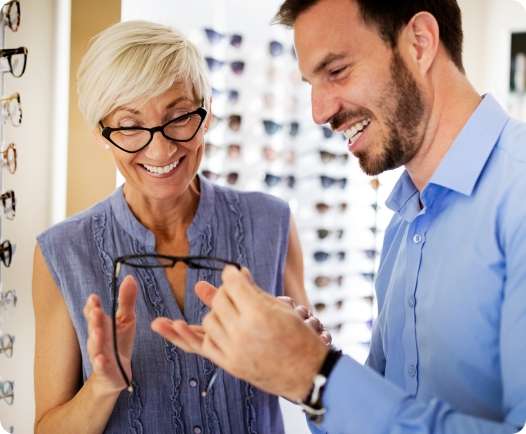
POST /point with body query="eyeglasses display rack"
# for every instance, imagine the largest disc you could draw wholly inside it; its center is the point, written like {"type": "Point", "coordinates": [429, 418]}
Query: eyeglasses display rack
{"type": "Point", "coordinates": [263, 137]}
{"type": "Point", "coordinates": [12, 65]}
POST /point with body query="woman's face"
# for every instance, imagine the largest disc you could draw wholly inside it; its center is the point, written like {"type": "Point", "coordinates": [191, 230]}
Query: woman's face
{"type": "Point", "coordinates": [165, 168]}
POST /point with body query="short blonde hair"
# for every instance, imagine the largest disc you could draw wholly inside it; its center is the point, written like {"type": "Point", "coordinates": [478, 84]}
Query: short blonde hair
{"type": "Point", "coordinates": [134, 60]}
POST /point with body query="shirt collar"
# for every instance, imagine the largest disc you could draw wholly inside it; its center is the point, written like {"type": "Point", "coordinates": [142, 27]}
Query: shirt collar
{"type": "Point", "coordinates": [461, 167]}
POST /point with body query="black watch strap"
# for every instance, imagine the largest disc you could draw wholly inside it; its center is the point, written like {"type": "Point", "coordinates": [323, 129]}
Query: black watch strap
{"type": "Point", "coordinates": [313, 405]}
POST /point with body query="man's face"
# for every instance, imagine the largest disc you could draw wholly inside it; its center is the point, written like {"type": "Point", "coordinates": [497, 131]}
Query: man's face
{"type": "Point", "coordinates": [360, 85]}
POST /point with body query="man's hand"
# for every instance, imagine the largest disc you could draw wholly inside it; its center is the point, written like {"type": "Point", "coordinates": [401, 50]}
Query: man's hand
{"type": "Point", "coordinates": [251, 335]}
{"type": "Point", "coordinates": [308, 317]}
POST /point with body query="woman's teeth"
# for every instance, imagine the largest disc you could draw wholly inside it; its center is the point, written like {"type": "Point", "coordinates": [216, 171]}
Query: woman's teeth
{"type": "Point", "coordinates": [355, 131]}
{"type": "Point", "coordinates": [161, 170]}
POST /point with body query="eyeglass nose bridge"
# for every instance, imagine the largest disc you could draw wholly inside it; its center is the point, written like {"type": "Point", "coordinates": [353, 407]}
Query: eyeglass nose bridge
{"type": "Point", "coordinates": [160, 129]}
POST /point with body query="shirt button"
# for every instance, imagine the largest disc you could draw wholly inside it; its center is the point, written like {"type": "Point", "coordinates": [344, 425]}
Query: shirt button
{"type": "Point", "coordinates": [193, 382]}
{"type": "Point", "coordinates": [411, 370]}
{"type": "Point", "coordinates": [197, 429]}
{"type": "Point", "coordinates": [417, 238]}
{"type": "Point", "coordinates": [411, 301]}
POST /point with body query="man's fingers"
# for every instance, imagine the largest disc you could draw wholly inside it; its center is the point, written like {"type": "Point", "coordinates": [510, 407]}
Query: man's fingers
{"type": "Point", "coordinates": [315, 324]}
{"type": "Point", "coordinates": [205, 291]}
{"type": "Point", "coordinates": [127, 298]}
{"type": "Point", "coordinates": [239, 284]}
{"type": "Point", "coordinates": [326, 337]}
{"type": "Point", "coordinates": [179, 334]}
{"type": "Point", "coordinates": [303, 311]}
{"type": "Point", "coordinates": [287, 300]}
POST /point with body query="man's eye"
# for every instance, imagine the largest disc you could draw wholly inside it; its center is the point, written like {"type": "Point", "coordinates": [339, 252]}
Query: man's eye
{"type": "Point", "coordinates": [336, 72]}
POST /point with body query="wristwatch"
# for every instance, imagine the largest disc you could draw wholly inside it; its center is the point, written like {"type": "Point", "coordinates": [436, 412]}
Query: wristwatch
{"type": "Point", "coordinates": [312, 405]}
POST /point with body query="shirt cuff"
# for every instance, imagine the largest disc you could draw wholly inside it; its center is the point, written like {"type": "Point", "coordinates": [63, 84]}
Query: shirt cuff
{"type": "Point", "coordinates": [353, 394]}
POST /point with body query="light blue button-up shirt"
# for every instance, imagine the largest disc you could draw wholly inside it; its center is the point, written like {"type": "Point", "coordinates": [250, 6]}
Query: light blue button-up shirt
{"type": "Point", "coordinates": [448, 354]}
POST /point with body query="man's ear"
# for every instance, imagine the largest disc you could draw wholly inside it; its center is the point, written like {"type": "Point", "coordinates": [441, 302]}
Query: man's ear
{"type": "Point", "coordinates": [420, 39]}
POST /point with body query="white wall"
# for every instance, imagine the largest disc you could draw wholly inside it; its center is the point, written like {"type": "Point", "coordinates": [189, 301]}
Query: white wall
{"type": "Point", "coordinates": [31, 184]}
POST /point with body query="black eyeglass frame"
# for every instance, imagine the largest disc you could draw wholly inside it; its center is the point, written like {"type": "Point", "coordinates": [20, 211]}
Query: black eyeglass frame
{"type": "Point", "coordinates": [8, 53]}
{"type": "Point", "coordinates": [107, 131]}
{"type": "Point", "coordinates": [6, 252]}
{"type": "Point", "coordinates": [124, 260]}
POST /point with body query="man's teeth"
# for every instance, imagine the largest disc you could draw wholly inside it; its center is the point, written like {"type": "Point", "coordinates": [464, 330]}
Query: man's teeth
{"type": "Point", "coordinates": [161, 170]}
{"type": "Point", "coordinates": [356, 129]}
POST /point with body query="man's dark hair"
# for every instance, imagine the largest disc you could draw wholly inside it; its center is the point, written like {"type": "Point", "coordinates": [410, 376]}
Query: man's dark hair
{"type": "Point", "coordinates": [390, 16]}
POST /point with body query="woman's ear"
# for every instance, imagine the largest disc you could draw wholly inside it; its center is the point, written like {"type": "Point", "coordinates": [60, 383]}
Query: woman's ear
{"type": "Point", "coordinates": [101, 141]}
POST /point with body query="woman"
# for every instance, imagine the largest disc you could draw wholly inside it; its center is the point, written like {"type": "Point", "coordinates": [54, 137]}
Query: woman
{"type": "Point", "coordinates": [134, 77]}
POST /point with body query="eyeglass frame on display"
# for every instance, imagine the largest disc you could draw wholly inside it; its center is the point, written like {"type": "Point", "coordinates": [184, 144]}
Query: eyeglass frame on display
{"type": "Point", "coordinates": [6, 161]}
{"type": "Point", "coordinates": [9, 213]}
{"type": "Point", "coordinates": [107, 131]}
{"type": "Point", "coordinates": [7, 350]}
{"type": "Point", "coordinates": [8, 53]}
{"type": "Point", "coordinates": [4, 298]}
{"type": "Point", "coordinates": [9, 394]}
{"type": "Point", "coordinates": [6, 245]}
{"type": "Point", "coordinates": [187, 260]}
{"type": "Point", "coordinates": [6, 17]}
{"type": "Point", "coordinates": [4, 101]}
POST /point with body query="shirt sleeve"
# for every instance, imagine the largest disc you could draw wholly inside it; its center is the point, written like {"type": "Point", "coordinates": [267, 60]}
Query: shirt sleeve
{"type": "Point", "coordinates": [359, 400]}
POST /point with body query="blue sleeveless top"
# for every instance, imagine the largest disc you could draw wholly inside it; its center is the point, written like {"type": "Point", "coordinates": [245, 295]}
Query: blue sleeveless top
{"type": "Point", "coordinates": [250, 228]}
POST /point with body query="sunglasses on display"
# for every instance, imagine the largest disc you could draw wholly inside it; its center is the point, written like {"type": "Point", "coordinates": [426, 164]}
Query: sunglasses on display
{"type": "Point", "coordinates": [329, 181]}
{"type": "Point", "coordinates": [323, 256]}
{"type": "Point", "coordinates": [6, 252]}
{"type": "Point", "coordinates": [323, 281]}
{"type": "Point", "coordinates": [323, 233]}
{"type": "Point", "coordinates": [231, 94]}
{"type": "Point", "coordinates": [9, 157]}
{"type": "Point", "coordinates": [8, 298]}
{"type": "Point", "coordinates": [233, 121]}
{"type": "Point", "coordinates": [329, 157]}
{"type": "Point", "coordinates": [321, 306]}
{"type": "Point", "coordinates": [271, 127]}
{"type": "Point", "coordinates": [271, 154]}
{"type": "Point", "coordinates": [233, 150]}
{"type": "Point", "coordinates": [214, 37]}
{"type": "Point", "coordinates": [16, 59]}
{"type": "Point", "coordinates": [328, 133]}
{"type": "Point", "coordinates": [7, 391]}
{"type": "Point", "coordinates": [12, 108]}
{"type": "Point", "coordinates": [6, 345]}
{"type": "Point", "coordinates": [231, 177]}
{"type": "Point", "coordinates": [153, 261]}
{"type": "Point", "coordinates": [214, 65]}
{"type": "Point", "coordinates": [10, 14]}
{"type": "Point", "coordinates": [134, 139]}
{"type": "Point", "coordinates": [277, 48]}
{"type": "Point", "coordinates": [9, 204]}
{"type": "Point", "coordinates": [323, 207]}
{"type": "Point", "coordinates": [274, 180]}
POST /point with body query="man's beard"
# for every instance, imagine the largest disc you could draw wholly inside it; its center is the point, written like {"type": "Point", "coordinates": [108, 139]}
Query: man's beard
{"type": "Point", "coordinates": [403, 122]}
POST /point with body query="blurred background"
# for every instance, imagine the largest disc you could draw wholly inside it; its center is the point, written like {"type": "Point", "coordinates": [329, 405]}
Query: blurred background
{"type": "Point", "coordinates": [263, 138]}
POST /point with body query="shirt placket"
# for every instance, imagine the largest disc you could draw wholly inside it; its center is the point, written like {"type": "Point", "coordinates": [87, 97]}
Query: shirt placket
{"type": "Point", "coordinates": [415, 243]}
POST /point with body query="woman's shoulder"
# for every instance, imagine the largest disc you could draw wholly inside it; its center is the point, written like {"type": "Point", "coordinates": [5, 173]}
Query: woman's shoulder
{"type": "Point", "coordinates": [76, 226]}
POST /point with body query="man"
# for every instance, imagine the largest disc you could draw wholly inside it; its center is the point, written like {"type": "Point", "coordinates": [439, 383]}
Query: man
{"type": "Point", "coordinates": [448, 353]}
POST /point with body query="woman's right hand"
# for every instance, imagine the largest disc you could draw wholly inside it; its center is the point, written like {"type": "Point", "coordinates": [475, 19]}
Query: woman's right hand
{"type": "Point", "coordinates": [106, 374]}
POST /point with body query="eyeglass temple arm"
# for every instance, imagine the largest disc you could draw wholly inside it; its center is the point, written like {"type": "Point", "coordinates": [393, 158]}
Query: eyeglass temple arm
{"type": "Point", "coordinates": [117, 267]}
